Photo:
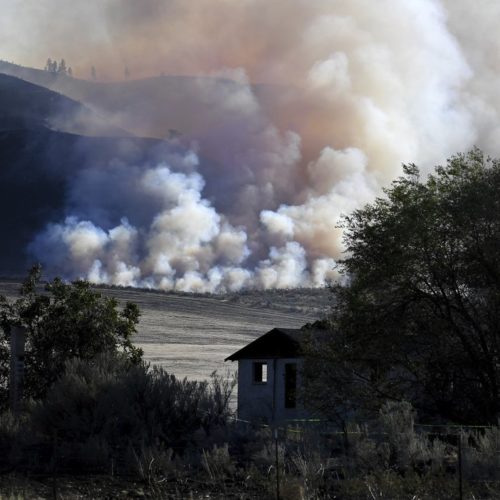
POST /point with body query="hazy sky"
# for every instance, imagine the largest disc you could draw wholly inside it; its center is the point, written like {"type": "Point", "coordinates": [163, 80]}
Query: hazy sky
{"type": "Point", "coordinates": [268, 38]}
{"type": "Point", "coordinates": [375, 84]}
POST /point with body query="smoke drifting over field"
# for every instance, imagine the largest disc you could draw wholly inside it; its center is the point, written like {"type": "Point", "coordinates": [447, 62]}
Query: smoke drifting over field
{"type": "Point", "coordinates": [354, 88]}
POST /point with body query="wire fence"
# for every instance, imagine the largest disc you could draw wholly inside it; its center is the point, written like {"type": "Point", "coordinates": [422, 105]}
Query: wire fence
{"type": "Point", "coordinates": [467, 455]}
{"type": "Point", "coordinates": [312, 453]}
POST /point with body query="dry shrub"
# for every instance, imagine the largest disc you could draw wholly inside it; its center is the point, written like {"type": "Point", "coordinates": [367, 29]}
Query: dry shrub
{"type": "Point", "coordinates": [395, 445]}
{"type": "Point", "coordinates": [309, 463]}
{"type": "Point", "coordinates": [218, 463]}
{"type": "Point", "coordinates": [391, 485]}
{"type": "Point", "coordinates": [481, 454]}
{"type": "Point", "coordinates": [100, 409]}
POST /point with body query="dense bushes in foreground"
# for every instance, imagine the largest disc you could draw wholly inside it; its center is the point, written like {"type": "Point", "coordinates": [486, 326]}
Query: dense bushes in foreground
{"type": "Point", "coordinates": [117, 403]}
{"type": "Point", "coordinates": [141, 430]}
{"type": "Point", "coordinates": [109, 406]}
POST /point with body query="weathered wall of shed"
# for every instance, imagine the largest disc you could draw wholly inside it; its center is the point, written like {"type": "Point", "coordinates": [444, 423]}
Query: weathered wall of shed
{"type": "Point", "coordinates": [255, 401]}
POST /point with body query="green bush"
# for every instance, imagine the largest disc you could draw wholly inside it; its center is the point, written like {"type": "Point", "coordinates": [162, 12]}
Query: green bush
{"type": "Point", "coordinates": [68, 321]}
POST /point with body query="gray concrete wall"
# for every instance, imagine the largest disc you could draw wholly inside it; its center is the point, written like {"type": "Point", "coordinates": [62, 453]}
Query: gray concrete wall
{"type": "Point", "coordinates": [255, 400]}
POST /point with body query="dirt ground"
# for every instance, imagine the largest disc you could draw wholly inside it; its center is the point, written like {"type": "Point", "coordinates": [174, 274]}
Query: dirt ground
{"type": "Point", "coordinates": [105, 487]}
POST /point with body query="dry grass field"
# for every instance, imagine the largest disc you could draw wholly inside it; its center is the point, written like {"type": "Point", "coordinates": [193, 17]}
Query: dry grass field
{"type": "Point", "coordinates": [190, 335]}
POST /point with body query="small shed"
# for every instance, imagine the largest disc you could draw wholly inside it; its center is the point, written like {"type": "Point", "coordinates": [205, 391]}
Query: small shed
{"type": "Point", "coordinates": [269, 377]}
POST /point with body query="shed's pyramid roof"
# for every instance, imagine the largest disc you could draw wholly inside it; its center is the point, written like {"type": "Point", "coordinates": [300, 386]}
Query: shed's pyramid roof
{"type": "Point", "coordinates": [277, 343]}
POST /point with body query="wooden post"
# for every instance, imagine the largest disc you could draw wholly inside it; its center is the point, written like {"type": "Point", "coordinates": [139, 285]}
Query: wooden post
{"type": "Point", "coordinates": [497, 451]}
{"type": "Point", "coordinates": [275, 426]}
{"type": "Point", "coordinates": [277, 463]}
{"type": "Point", "coordinates": [54, 465]}
{"type": "Point", "coordinates": [460, 465]}
{"type": "Point", "coordinates": [17, 341]}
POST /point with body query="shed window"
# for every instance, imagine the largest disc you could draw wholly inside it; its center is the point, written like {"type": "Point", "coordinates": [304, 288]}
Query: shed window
{"type": "Point", "coordinates": [290, 385]}
{"type": "Point", "coordinates": [260, 372]}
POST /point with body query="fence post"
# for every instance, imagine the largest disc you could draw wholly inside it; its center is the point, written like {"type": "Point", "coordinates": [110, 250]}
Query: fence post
{"type": "Point", "coordinates": [54, 465]}
{"type": "Point", "coordinates": [460, 478]}
{"type": "Point", "coordinates": [497, 451]}
{"type": "Point", "coordinates": [277, 464]}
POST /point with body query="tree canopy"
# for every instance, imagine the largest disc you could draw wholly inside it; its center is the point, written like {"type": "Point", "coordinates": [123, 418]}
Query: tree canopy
{"type": "Point", "coordinates": [419, 318]}
{"type": "Point", "coordinates": [64, 321]}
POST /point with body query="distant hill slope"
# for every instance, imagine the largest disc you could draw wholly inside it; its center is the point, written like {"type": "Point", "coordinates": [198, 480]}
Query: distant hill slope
{"type": "Point", "coordinates": [24, 105]}
{"type": "Point", "coordinates": [151, 107]}
{"type": "Point", "coordinates": [191, 335]}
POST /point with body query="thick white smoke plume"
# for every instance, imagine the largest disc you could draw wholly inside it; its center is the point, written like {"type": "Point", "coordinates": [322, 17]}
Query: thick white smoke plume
{"type": "Point", "coordinates": [353, 89]}
{"type": "Point", "coordinates": [185, 246]}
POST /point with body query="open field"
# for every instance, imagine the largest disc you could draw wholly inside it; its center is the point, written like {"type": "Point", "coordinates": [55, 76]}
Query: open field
{"type": "Point", "coordinates": [190, 335]}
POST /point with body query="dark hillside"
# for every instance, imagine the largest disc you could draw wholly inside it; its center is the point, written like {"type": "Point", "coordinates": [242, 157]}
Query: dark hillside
{"type": "Point", "coordinates": [36, 166]}
{"type": "Point", "coordinates": [24, 105]}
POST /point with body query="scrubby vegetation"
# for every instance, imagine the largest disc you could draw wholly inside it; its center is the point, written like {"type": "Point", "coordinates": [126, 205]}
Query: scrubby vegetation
{"type": "Point", "coordinates": [105, 422]}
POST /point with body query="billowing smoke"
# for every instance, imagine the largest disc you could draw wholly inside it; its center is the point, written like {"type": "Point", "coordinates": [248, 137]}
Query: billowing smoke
{"type": "Point", "coordinates": [347, 91]}
{"type": "Point", "coordinates": [183, 244]}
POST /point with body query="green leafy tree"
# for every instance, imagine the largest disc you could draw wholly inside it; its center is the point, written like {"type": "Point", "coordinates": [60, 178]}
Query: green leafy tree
{"type": "Point", "coordinates": [419, 318]}
{"type": "Point", "coordinates": [65, 321]}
